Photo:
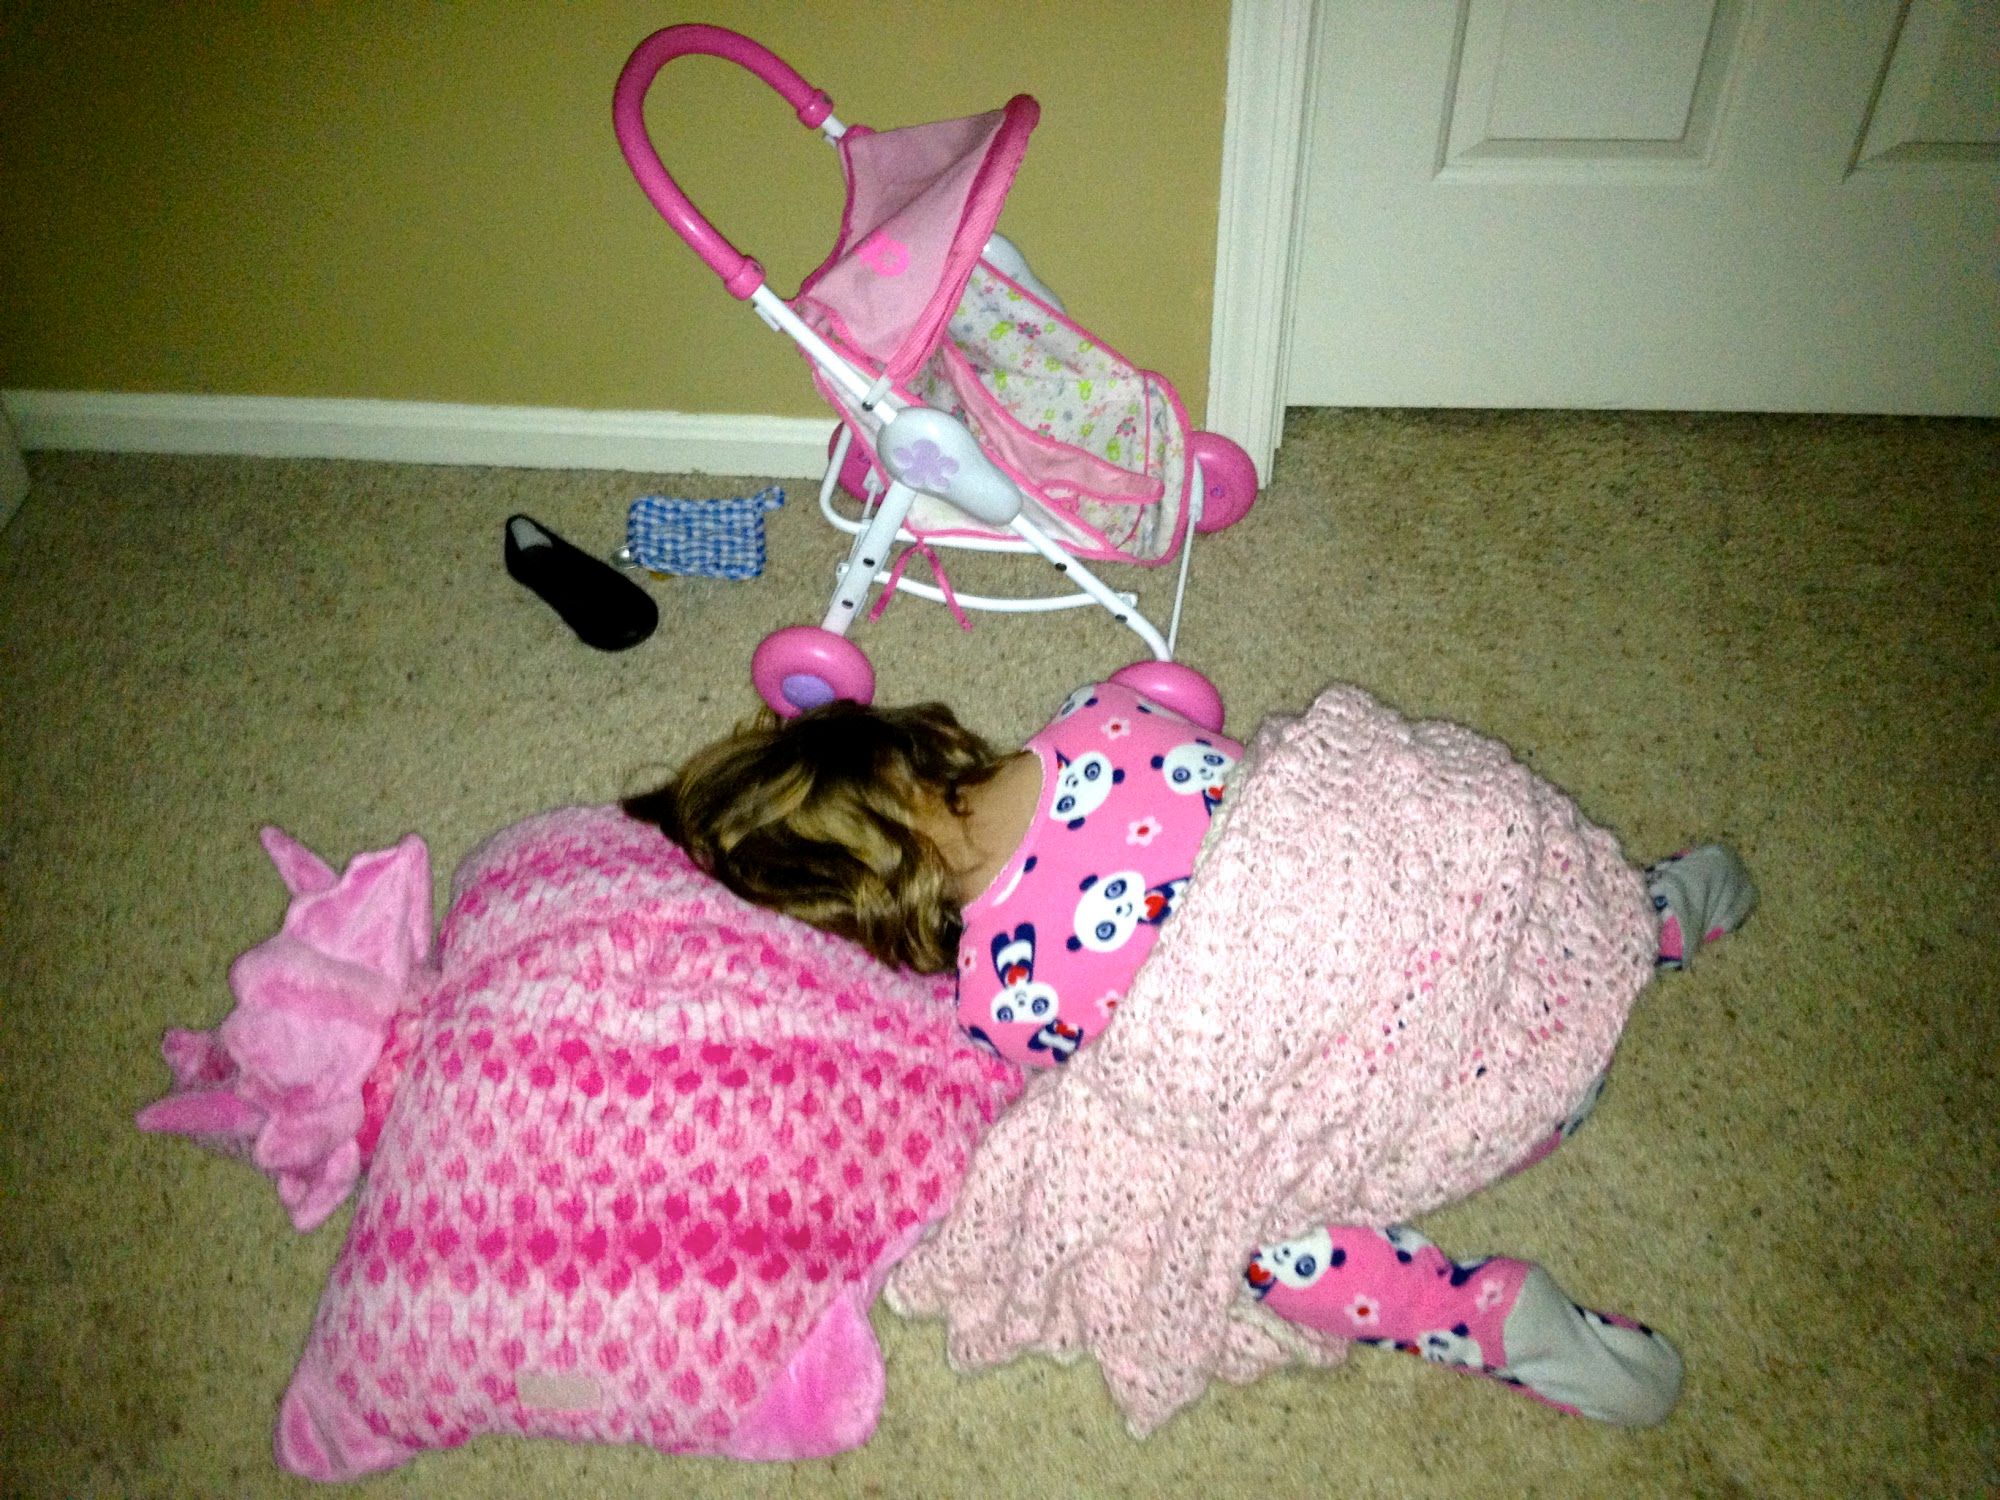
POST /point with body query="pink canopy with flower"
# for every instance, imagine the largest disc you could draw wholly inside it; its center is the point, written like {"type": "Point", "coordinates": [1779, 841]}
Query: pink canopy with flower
{"type": "Point", "coordinates": [922, 202]}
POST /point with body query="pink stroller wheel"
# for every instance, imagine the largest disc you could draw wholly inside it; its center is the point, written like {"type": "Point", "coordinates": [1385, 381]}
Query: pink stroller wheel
{"type": "Point", "coordinates": [1229, 480]}
{"type": "Point", "coordinates": [803, 666]}
{"type": "Point", "coordinates": [1172, 685]}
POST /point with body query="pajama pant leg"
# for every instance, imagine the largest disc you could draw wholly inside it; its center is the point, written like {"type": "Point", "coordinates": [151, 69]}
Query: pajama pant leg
{"type": "Point", "coordinates": [1500, 1317]}
{"type": "Point", "coordinates": [1393, 1286]}
{"type": "Point", "coordinates": [1503, 1318]}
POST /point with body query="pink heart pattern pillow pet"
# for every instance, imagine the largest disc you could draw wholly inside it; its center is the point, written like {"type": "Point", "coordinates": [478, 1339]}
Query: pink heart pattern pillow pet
{"type": "Point", "coordinates": [635, 1156]}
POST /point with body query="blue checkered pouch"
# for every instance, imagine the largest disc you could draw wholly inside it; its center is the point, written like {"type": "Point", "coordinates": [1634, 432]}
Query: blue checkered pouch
{"type": "Point", "coordinates": [705, 538]}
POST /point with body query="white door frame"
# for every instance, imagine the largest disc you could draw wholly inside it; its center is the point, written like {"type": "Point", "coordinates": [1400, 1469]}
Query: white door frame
{"type": "Point", "coordinates": [1270, 52]}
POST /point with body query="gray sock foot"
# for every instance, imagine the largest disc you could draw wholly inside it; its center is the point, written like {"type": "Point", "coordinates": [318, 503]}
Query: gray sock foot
{"type": "Point", "coordinates": [1601, 1367]}
{"type": "Point", "coordinates": [1700, 896]}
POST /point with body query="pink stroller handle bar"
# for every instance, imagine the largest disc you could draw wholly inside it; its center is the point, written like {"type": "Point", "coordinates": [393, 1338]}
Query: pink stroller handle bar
{"type": "Point", "coordinates": [739, 273]}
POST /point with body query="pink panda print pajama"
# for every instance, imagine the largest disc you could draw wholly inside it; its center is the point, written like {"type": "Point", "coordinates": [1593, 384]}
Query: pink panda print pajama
{"type": "Point", "coordinates": [1129, 791]}
{"type": "Point", "coordinates": [1499, 1317]}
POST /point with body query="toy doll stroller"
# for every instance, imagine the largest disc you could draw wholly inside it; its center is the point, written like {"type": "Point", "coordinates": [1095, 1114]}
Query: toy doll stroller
{"type": "Point", "coordinates": [973, 411]}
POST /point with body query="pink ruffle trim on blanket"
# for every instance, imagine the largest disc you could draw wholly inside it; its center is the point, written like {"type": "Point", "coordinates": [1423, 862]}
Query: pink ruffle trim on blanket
{"type": "Point", "coordinates": [281, 1082]}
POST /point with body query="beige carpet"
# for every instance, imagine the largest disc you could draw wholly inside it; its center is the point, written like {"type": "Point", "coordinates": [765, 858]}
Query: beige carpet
{"type": "Point", "coordinates": [1780, 632]}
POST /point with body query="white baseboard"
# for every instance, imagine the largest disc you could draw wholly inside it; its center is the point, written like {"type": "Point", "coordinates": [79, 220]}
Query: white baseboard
{"type": "Point", "coordinates": [424, 432]}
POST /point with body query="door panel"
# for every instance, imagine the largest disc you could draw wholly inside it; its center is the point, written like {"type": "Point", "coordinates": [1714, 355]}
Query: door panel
{"type": "Point", "coordinates": [1685, 204]}
{"type": "Point", "coordinates": [1581, 81]}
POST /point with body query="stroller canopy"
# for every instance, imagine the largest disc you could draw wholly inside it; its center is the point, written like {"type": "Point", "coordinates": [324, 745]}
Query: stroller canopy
{"type": "Point", "coordinates": [921, 203]}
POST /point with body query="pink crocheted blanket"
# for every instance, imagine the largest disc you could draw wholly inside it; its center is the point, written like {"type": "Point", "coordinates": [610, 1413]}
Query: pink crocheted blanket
{"type": "Point", "coordinates": [1401, 958]}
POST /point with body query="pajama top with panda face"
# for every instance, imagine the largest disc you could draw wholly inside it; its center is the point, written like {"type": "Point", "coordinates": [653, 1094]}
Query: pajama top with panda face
{"type": "Point", "coordinates": [1049, 948]}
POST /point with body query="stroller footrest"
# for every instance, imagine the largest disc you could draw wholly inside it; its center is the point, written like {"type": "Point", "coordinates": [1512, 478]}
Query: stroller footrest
{"type": "Point", "coordinates": [999, 603]}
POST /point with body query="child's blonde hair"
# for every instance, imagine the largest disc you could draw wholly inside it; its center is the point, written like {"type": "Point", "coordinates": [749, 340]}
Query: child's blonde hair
{"type": "Point", "coordinates": [817, 817]}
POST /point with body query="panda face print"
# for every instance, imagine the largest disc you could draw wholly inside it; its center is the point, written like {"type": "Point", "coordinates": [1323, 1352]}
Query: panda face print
{"type": "Point", "coordinates": [1076, 702]}
{"type": "Point", "coordinates": [1110, 909]}
{"type": "Point", "coordinates": [1108, 912]}
{"type": "Point", "coordinates": [1020, 997]}
{"type": "Point", "coordinates": [1293, 1263]}
{"type": "Point", "coordinates": [1082, 785]}
{"type": "Point", "coordinates": [1405, 1241]}
{"type": "Point", "coordinates": [1026, 1002]}
{"type": "Point", "coordinates": [1059, 1039]}
{"type": "Point", "coordinates": [1194, 769]}
{"type": "Point", "coordinates": [1452, 1346]}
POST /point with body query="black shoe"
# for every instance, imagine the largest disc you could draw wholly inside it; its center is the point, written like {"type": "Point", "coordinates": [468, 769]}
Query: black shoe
{"type": "Point", "coordinates": [604, 607]}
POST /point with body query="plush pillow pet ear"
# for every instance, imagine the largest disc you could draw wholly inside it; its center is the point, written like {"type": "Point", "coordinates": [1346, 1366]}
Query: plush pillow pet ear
{"type": "Point", "coordinates": [295, 1080]}
{"type": "Point", "coordinates": [642, 1155]}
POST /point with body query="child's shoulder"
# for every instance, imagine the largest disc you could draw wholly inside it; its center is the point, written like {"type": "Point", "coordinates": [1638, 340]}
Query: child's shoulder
{"type": "Point", "coordinates": [1110, 744]}
{"type": "Point", "coordinates": [1102, 714]}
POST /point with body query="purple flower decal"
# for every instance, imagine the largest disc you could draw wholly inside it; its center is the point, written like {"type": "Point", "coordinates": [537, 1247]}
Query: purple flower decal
{"type": "Point", "coordinates": [925, 466]}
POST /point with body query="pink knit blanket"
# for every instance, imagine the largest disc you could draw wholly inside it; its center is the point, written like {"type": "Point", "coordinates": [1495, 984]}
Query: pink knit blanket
{"type": "Point", "coordinates": [632, 1154]}
{"type": "Point", "coordinates": [1400, 960]}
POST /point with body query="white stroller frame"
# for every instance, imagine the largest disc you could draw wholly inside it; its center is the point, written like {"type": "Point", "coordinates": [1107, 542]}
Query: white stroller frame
{"type": "Point", "coordinates": [885, 508]}
{"type": "Point", "coordinates": [921, 450]}
{"type": "Point", "coordinates": [1000, 255]}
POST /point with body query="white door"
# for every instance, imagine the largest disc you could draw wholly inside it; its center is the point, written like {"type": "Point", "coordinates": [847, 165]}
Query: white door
{"type": "Point", "coordinates": [1779, 205]}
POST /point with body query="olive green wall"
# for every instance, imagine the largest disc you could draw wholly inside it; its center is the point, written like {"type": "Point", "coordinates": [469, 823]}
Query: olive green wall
{"type": "Point", "coordinates": [424, 201]}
